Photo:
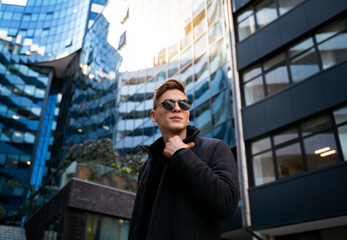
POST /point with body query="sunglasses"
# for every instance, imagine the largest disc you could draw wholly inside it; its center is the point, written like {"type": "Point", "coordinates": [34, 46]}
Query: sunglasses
{"type": "Point", "coordinates": [169, 104]}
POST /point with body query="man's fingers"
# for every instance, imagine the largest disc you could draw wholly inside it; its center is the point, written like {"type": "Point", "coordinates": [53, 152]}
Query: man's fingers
{"type": "Point", "coordinates": [191, 144]}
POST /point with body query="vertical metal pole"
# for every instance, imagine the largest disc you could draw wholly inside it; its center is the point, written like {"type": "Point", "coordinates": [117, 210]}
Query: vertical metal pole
{"type": "Point", "coordinates": [240, 143]}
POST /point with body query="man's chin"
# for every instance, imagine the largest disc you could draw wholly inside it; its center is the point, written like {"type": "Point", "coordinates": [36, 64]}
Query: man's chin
{"type": "Point", "coordinates": [177, 129]}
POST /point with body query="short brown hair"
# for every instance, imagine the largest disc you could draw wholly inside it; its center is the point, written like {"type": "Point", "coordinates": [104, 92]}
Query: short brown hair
{"type": "Point", "coordinates": [169, 84]}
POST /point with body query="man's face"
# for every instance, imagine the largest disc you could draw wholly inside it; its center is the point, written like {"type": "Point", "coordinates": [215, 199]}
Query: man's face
{"type": "Point", "coordinates": [174, 121]}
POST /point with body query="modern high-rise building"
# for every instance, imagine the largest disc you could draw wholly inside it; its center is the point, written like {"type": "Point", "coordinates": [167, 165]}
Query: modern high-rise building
{"type": "Point", "coordinates": [265, 76]}
{"type": "Point", "coordinates": [290, 68]}
{"type": "Point", "coordinates": [38, 40]}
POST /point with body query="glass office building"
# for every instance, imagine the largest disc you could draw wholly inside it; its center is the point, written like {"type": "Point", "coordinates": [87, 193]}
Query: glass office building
{"type": "Point", "coordinates": [187, 40]}
{"type": "Point", "coordinates": [37, 39]}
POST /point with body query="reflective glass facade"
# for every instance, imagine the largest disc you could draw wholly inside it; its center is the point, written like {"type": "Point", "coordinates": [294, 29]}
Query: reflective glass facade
{"type": "Point", "coordinates": [92, 113]}
{"type": "Point", "coordinates": [187, 40]}
{"type": "Point", "coordinates": [43, 30]}
{"type": "Point", "coordinates": [30, 94]}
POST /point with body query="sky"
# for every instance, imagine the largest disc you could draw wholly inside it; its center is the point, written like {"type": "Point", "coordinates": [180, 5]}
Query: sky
{"type": "Point", "coordinates": [15, 2]}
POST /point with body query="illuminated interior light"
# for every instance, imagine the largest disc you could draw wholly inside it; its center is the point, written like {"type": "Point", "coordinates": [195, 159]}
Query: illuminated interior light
{"type": "Point", "coordinates": [27, 52]}
{"type": "Point", "coordinates": [91, 75]}
{"type": "Point", "coordinates": [17, 134]}
{"type": "Point", "coordinates": [322, 150]}
{"type": "Point", "coordinates": [328, 153]}
{"type": "Point", "coordinates": [79, 130]}
{"type": "Point", "coordinates": [28, 162]}
{"type": "Point", "coordinates": [15, 117]}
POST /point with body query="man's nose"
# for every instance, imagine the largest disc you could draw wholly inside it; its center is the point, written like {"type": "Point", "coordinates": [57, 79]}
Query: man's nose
{"type": "Point", "coordinates": [177, 107]}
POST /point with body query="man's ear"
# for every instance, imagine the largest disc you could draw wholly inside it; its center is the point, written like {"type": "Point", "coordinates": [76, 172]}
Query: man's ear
{"type": "Point", "coordinates": [153, 117]}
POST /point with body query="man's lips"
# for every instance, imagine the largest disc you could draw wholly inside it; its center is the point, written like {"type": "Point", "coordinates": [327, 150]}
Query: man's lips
{"type": "Point", "coordinates": [176, 118]}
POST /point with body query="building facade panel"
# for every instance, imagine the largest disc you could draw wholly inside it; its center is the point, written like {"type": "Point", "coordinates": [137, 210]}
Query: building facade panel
{"type": "Point", "coordinates": [262, 42]}
{"type": "Point", "coordinates": [310, 197]}
{"type": "Point", "coordinates": [311, 96]}
{"type": "Point", "coordinates": [319, 11]}
{"type": "Point", "coordinates": [308, 97]}
{"type": "Point", "coordinates": [292, 24]}
{"type": "Point", "coordinates": [299, 21]}
{"type": "Point", "coordinates": [279, 110]}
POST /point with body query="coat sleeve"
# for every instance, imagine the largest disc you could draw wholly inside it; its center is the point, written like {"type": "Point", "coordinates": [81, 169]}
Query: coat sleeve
{"type": "Point", "coordinates": [214, 182]}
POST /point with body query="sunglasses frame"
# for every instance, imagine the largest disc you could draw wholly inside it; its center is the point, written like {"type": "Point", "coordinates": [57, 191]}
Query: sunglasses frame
{"type": "Point", "coordinates": [167, 106]}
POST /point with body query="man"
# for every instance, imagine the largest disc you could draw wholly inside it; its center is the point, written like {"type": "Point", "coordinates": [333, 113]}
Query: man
{"type": "Point", "coordinates": [189, 185]}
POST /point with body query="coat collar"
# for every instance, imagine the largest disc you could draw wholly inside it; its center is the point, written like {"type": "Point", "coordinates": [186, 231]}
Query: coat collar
{"type": "Point", "coordinates": [192, 136]}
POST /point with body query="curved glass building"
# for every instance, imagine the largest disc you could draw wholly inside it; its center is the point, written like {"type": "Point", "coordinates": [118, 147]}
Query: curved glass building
{"type": "Point", "coordinates": [38, 40]}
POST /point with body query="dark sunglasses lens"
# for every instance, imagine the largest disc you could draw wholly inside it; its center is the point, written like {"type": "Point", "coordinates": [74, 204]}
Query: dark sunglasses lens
{"type": "Point", "coordinates": [185, 105]}
{"type": "Point", "coordinates": [169, 104]}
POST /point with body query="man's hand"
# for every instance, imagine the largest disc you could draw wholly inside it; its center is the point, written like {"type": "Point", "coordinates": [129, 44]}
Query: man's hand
{"type": "Point", "coordinates": [174, 144]}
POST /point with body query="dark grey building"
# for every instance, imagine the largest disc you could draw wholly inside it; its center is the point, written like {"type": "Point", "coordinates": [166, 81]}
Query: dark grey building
{"type": "Point", "coordinates": [291, 70]}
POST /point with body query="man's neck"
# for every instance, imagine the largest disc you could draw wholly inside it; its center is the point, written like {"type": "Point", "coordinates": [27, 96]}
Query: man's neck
{"type": "Point", "coordinates": [167, 136]}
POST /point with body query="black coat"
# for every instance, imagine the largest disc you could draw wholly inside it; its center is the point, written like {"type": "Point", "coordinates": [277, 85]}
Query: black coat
{"type": "Point", "coordinates": [197, 191]}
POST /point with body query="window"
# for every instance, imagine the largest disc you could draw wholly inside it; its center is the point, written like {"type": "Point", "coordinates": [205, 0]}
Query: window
{"type": "Point", "coordinates": [310, 145]}
{"type": "Point", "coordinates": [246, 24]}
{"type": "Point", "coordinates": [214, 11]}
{"type": "Point", "coordinates": [261, 14]}
{"type": "Point", "coordinates": [254, 90]}
{"type": "Point", "coordinates": [219, 80]}
{"type": "Point", "coordinates": [199, 24]}
{"type": "Point", "coordinates": [276, 77]}
{"type": "Point", "coordinates": [261, 145]}
{"type": "Point", "coordinates": [332, 44]}
{"type": "Point", "coordinates": [265, 13]}
{"type": "Point", "coordinates": [202, 93]}
{"type": "Point", "coordinates": [203, 117]}
{"type": "Point", "coordinates": [342, 131]}
{"type": "Point", "coordinates": [263, 168]}
{"type": "Point", "coordinates": [186, 56]}
{"type": "Point", "coordinates": [289, 160]}
{"type": "Point", "coordinates": [221, 108]}
{"type": "Point", "coordinates": [326, 48]}
{"type": "Point", "coordinates": [285, 136]}
{"type": "Point", "coordinates": [217, 56]}
{"type": "Point", "coordinates": [321, 150]}
{"type": "Point", "coordinates": [215, 32]}
{"type": "Point", "coordinates": [304, 63]}
{"type": "Point", "coordinates": [340, 116]}
{"type": "Point", "coordinates": [201, 68]}
{"type": "Point", "coordinates": [102, 227]}
{"type": "Point", "coordinates": [200, 46]}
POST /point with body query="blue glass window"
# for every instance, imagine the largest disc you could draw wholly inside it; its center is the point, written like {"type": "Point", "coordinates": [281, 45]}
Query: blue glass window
{"type": "Point", "coordinates": [200, 46]}
{"type": "Point", "coordinates": [221, 108]}
{"type": "Point", "coordinates": [202, 93]}
{"type": "Point", "coordinates": [219, 80]}
{"type": "Point", "coordinates": [201, 68]}
{"type": "Point", "coordinates": [217, 56]}
{"type": "Point", "coordinates": [203, 117]}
